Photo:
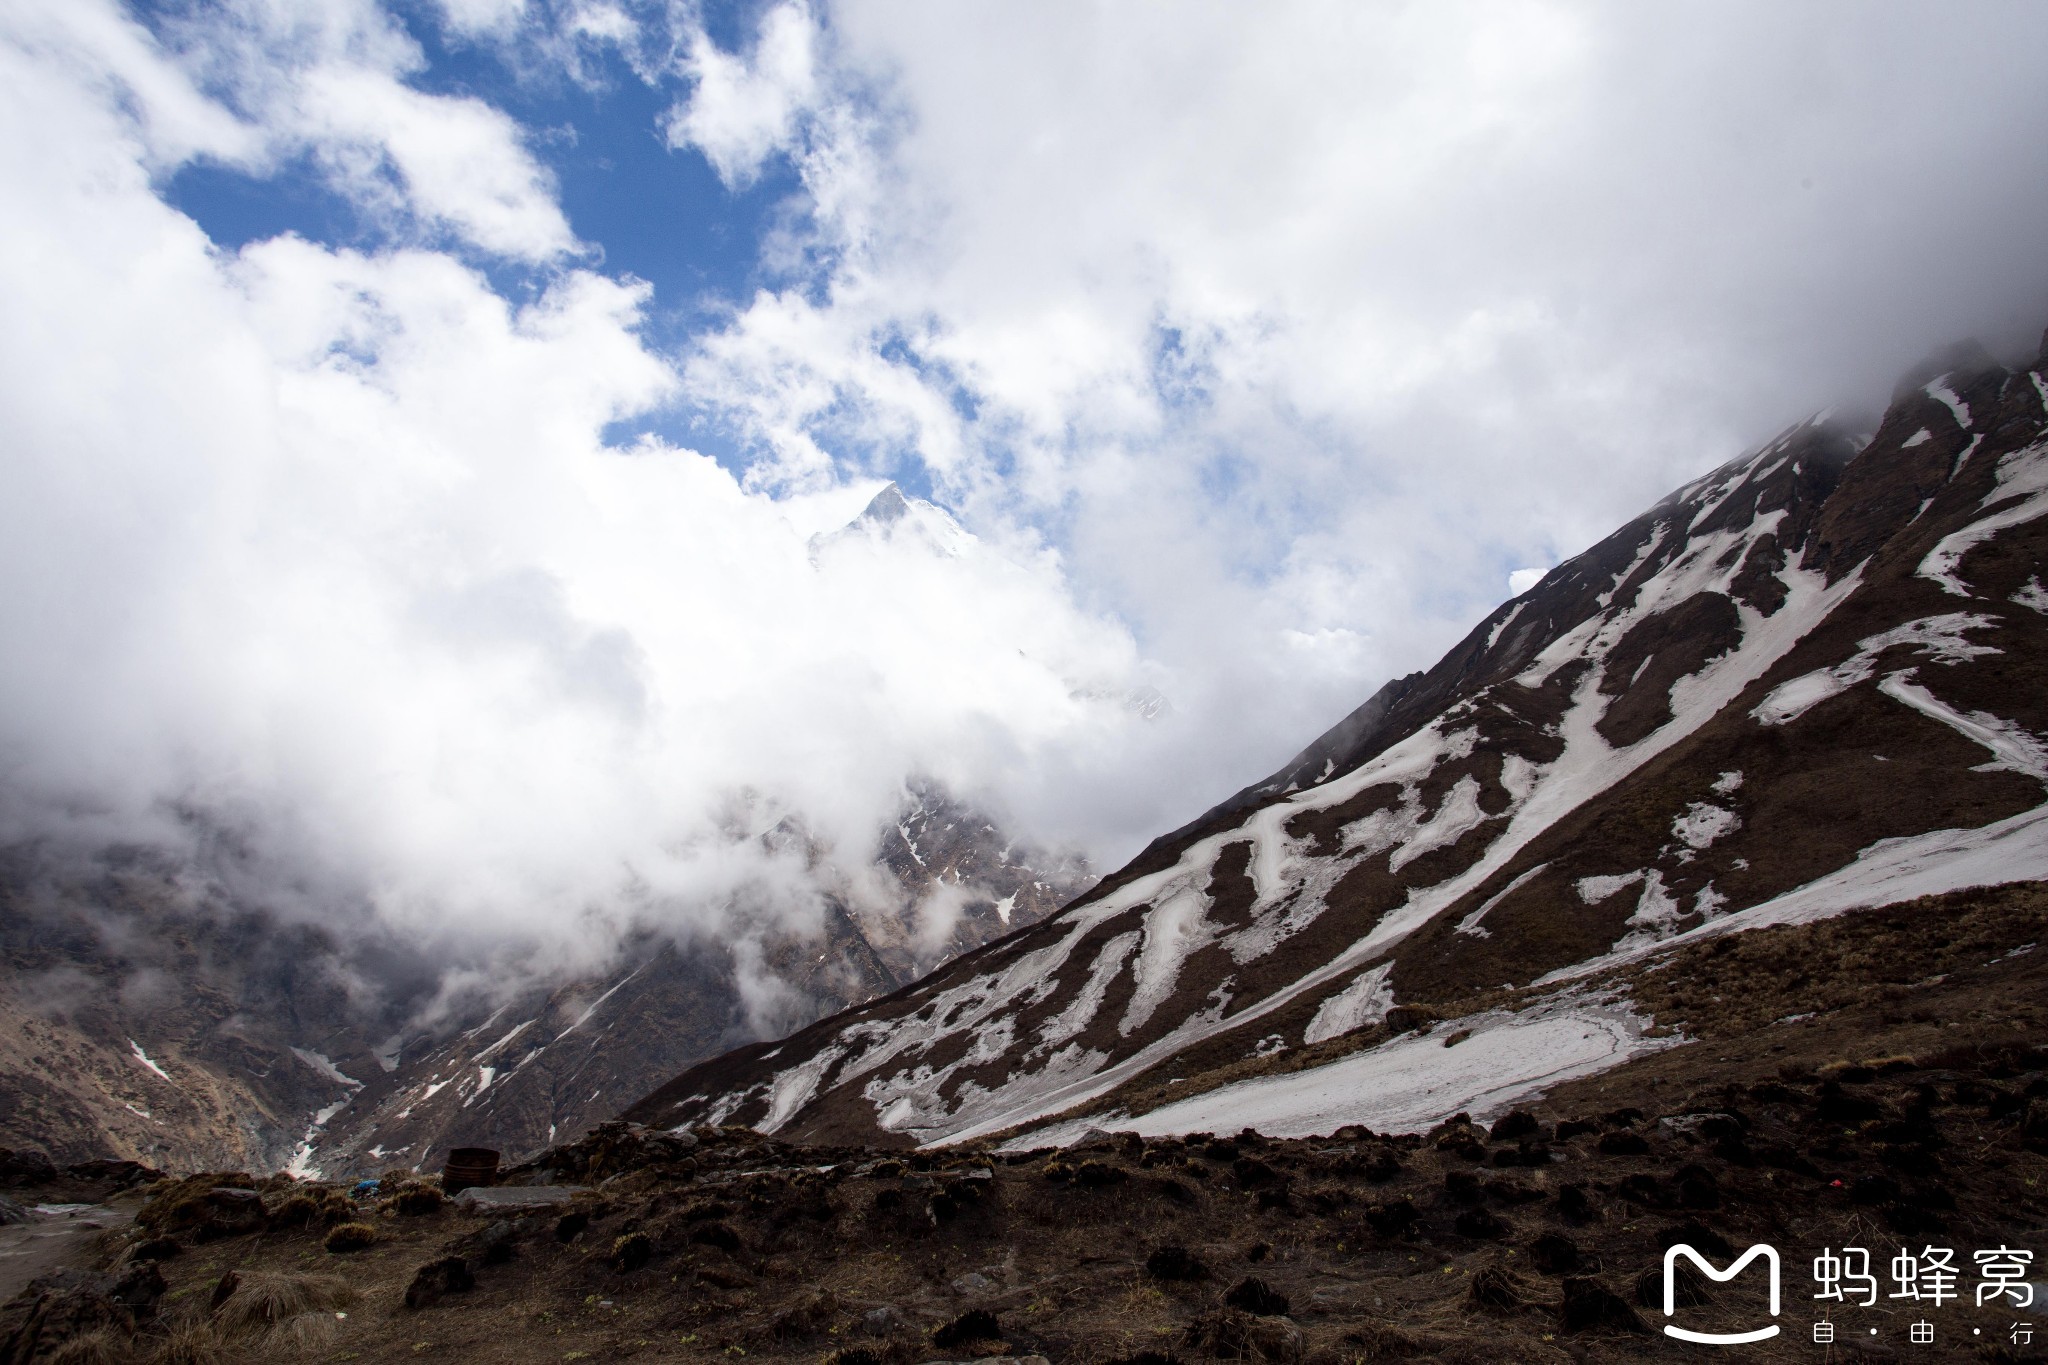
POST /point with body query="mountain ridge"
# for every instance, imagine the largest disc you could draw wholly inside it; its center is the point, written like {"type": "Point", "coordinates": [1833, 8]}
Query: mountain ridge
{"type": "Point", "coordinates": [1474, 828]}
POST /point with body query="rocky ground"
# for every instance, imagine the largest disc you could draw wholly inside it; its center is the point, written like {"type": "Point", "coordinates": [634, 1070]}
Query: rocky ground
{"type": "Point", "coordinates": [1893, 1119]}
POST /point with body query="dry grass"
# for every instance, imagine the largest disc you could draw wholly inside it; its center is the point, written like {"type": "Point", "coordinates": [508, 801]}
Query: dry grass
{"type": "Point", "coordinates": [262, 1302]}
{"type": "Point", "coordinates": [93, 1348]}
{"type": "Point", "coordinates": [194, 1341]}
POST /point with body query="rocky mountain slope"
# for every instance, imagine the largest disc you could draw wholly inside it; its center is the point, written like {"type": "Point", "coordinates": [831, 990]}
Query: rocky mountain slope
{"type": "Point", "coordinates": [149, 1012]}
{"type": "Point", "coordinates": [1813, 681]}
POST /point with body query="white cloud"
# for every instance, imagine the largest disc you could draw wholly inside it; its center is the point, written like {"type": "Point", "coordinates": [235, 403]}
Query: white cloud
{"type": "Point", "coordinates": [742, 110]}
{"type": "Point", "coordinates": [1295, 320]}
{"type": "Point", "coordinates": [478, 17]}
{"type": "Point", "coordinates": [1253, 344]}
{"type": "Point", "coordinates": [458, 161]}
{"type": "Point", "coordinates": [325, 544]}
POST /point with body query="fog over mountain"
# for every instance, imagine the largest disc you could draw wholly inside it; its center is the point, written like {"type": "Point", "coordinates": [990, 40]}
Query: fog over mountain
{"type": "Point", "coordinates": [427, 428]}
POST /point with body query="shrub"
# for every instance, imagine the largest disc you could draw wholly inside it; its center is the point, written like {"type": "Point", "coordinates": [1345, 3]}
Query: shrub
{"type": "Point", "coordinates": [351, 1237]}
{"type": "Point", "coordinates": [416, 1198]}
{"type": "Point", "coordinates": [296, 1211]}
{"type": "Point", "coordinates": [262, 1303]}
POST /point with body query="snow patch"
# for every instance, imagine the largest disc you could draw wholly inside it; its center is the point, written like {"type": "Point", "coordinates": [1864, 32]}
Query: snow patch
{"type": "Point", "coordinates": [1491, 639]}
{"type": "Point", "coordinates": [2013, 749]}
{"type": "Point", "coordinates": [1728, 783]}
{"type": "Point", "coordinates": [321, 1064]}
{"type": "Point", "coordinates": [1593, 890]}
{"type": "Point", "coordinates": [143, 1057]}
{"type": "Point", "coordinates": [1175, 930]}
{"type": "Point", "coordinates": [1939, 638]}
{"type": "Point", "coordinates": [1888, 872]}
{"type": "Point", "coordinates": [1943, 394]}
{"type": "Point", "coordinates": [516, 1030]}
{"type": "Point", "coordinates": [1656, 915]}
{"type": "Point", "coordinates": [1918, 438]}
{"type": "Point", "coordinates": [2023, 474]}
{"type": "Point", "coordinates": [1702, 824]}
{"type": "Point", "coordinates": [2033, 595]}
{"type": "Point", "coordinates": [1407, 1084]}
{"type": "Point", "coordinates": [1364, 1001]}
{"type": "Point", "coordinates": [1471, 923]}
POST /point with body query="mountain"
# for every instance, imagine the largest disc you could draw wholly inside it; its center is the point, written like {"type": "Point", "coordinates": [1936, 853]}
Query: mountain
{"type": "Point", "coordinates": [561, 1057]}
{"type": "Point", "coordinates": [153, 1013]}
{"type": "Point", "coordinates": [1810, 682]}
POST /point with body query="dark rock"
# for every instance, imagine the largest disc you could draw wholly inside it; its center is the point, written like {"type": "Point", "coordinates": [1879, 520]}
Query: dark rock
{"type": "Point", "coordinates": [975, 1325]}
{"type": "Point", "coordinates": [1392, 1219]}
{"type": "Point", "coordinates": [716, 1235]}
{"type": "Point", "coordinates": [223, 1289]}
{"type": "Point", "coordinates": [1623, 1142]}
{"type": "Point", "coordinates": [123, 1174]}
{"type": "Point", "coordinates": [1174, 1263]}
{"type": "Point", "coordinates": [1253, 1295]}
{"type": "Point", "coordinates": [449, 1275]}
{"type": "Point", "coordinates": [154, 1249]}
{"type": "Point", "coordinates": [1554, 1254]}
{"type": "Point", "coordinates": [630, 1252]}
{"type": "Point", "coordinates": [1591, 1306]}
{"type": "Point", "coordinates": [1573, 1205]}
{"type": "Point", "coordinates": [1517, 1123]}
{"type": "Point", "coordinates": [1688, 1287]}
{"type": "Point", "coordinates": [1096, 1174]}
{"type": "Point", "coordinates": [25, 1167]}
{"type": "Point", "coordinates": [1480, 1223]}
{"type": "Point", "coordinates": [570, 1225]}
{"type": "Point", "coordinates": [71, 1303]}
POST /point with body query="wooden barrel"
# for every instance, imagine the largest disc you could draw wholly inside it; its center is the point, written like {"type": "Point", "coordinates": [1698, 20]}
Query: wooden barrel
{"type": "Point", "coordinates": [469, 1166]}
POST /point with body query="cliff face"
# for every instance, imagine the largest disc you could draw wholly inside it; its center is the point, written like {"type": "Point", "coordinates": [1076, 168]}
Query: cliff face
{"type": "Point", "coordinates": [1812, 681]}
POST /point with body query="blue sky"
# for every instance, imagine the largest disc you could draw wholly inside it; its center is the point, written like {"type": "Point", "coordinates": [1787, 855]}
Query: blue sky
{"type": "Point", "coordinates": [651, 211]}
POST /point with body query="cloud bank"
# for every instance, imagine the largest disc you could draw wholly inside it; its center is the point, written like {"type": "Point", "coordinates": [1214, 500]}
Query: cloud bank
{"type": "Point", "coordinates": [1255, 349]}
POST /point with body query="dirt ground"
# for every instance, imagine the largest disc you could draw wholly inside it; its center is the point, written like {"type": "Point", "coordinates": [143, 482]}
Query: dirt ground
{"type": "Point", "coordinates": [1909, 1112]}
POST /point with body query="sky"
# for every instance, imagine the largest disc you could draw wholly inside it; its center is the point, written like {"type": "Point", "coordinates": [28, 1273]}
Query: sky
{"type": "Point", "coordinates": [418, 420]}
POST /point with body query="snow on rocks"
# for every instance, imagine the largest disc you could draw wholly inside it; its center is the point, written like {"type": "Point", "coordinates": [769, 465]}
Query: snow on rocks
{"type": "Point", "coordinates": [2022, 475]}
{"type": "Point", "coordinates": [143, 1057]}
{"type": "Point", "coordinates": [1701, 824]}
{"type": "Point", "coordinates": [1364, 1001]}
{"type": "Point", "coordinates": [1472, 925]}
{"type": "Point", "coordinates": [1937, 638]}
{"type": "Point", "coordinates": [2013, 749]}
{"type": "Point", "coordinates": [1408, 1083]}
{"type": "Point", "coordinates": [1946, 396]}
